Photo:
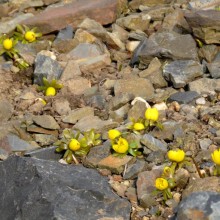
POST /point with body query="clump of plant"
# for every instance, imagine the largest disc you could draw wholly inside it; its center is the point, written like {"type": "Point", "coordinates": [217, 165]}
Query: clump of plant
{"type": "Point", "coordinates": [76, 144]}
{"type": "Point", "coordinates": [121, 146]}
{"type": "Point", "coordinates": [7, 48]}
{"type": "Point", "coordinates": [26, 35]}
{"type": "Point", "coordinates": [50, 88]}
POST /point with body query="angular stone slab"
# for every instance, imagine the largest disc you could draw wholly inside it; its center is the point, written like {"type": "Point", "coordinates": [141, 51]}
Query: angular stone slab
{"type": "Point", "coordinates": [46, 121]}
{"type": "Point", "coordinates": [103, 11]}
{"type": "Point", "coordinates": [38, 189]}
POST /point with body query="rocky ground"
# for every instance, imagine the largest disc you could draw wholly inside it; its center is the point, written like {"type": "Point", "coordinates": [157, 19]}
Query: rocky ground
{"type": "Point", "coordinates": [106, 53]}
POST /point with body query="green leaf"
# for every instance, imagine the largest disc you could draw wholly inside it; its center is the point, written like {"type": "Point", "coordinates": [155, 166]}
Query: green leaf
{"type": "Point", "coordinates": [46, 82]}
{"type": "Point", "coordinates": [20, 28]}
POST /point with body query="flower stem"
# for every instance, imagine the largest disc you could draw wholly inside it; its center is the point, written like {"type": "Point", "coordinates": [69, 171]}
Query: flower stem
{"type": "Point", "coordinates": [197, 168]}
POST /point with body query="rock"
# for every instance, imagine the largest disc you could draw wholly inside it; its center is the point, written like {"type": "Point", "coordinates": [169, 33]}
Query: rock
{"type": "Point", "coordinates": [97, 101]}
{"type": "Point", "coordinates": [132, 170]}
{"type": "Point", "coordinates": [36, 129]}
{"type": "Point", "coordinates": [183, 97]}
{"type": "Point", "coordinates": [181, 178]}
{"type": "Point", "coordinates": [137, 110]}
{"type": "Point", "coordinates": [53, 19]}
{"type": "Point", "coordinates": [208, 52]}
{"type": "Point", "coordinates": [180, 72]}
{"type": "Point", "coordinates": [132, 45]}
{"type": "Point", "coordinates": [146, 186]}
{"type": "Point", "coordinates": [71, 71]}
{"type": "Point", "coordinates": [57, 191]}
{"type": "Point", "coordinates": [44, 139]}
{"type": "Point", "coordinates": [96, 154]}
{"type": "Point", "coordinates": [47, 153]}
{"type": "Point", "coordinates": [136, 87]}
{"type": "Point", "coordinates": [119, 101]}
{"type": "Point", "coordinates": [132, 195]}
{"type": "Point", "coordinates": [199, 4]}
{"type": "Point", "coordinates": [77, 86]}
{"type": "Point", "coordinates": [115, 164]}
{"type": "Point", "coordinates": [201, 205]}
{"type": "Point", "coordinates": [201, 101]}
{"type": "Point", "coordinates": [167, 45]}
{"type": "Point", "coordinates": [61, 106]}
{"type": "Point", "coordinates": [202, 184]}
{"type": "Point", "coordinates": [77, 114]}
{"type": "Point", "coordinates": [205, 143]}
{"type": "Point", "coordinates": [83, 36]}
{"type": "Point", "coordinates": [64, 46]}
{"type": "Point", "coordinates": [214, 67]}
{"type": "Point", "coordinates": [134, 22]}
{"type": "Point", "coordinates": [152, 143]}
{"type": "Point", "coordinates": [205, 25]}
{"type": "Point", "coordinates": [6, 110]}
{"type": "Point", "coordinates": [156, 157]}
{"type": "Point", "coordinates": [46, 67]}
{"type": "Point", "coordinates": [65, 34]}
{"type": "Point", "coordinates": [120, 114]}
{"type": "Point", "coordinates": [94, 122]}
{"type": "Point", "coordinates": [46, 121]}
{"type": "Point", "coordinates": [204, 85]}
{"type": "Point", "coordinates": [7, 26]}
{"type": "Point", "coordinates": [12, 143]}
{"type": "Point", "coordinates": [154, 74]}
{"type": "Point", "coordinates": [134, 4]}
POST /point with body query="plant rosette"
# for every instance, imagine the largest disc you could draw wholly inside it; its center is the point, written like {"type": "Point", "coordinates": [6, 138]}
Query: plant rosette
{"type": "Point", "coordinates": [216, 159]}
{"type": "Point", "coordinates": [162, 186]}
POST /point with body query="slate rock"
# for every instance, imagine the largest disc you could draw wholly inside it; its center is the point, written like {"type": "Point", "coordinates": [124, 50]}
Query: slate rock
{"type": "Point", "coordinates": [167, 45]}
{"type": "Point", "coordinates": [214, 67]}
{"type": "Point", "coordinates": [184, 97]}
{"type": "Point", "coordinates": [135, 86]}
{"type": "Point", "coordinates": [6, 110]}
{"type": "Point", "coordinates": [137, 110]}
{"type": "Point", "coordinates": [208, 52]}
{"type": "Point", "coordinates": [65, 34]}
{"type": "Point", "coordinates": [57, 18]}
{"type": "Point", "coordinates": [201, 205]}
{"type": "Point", "coordinates": [46, 121]}
{"type": "Point", "coordinates": [204, 85]}
{"type": "Point", "coordinates": [40, 189]}
{"type": "Point", "coordinates": [46, 67]}
{"type": "Point", "coordinates": [44, 139]}
{"type": "Point", "coordinates": [205, 25]}
{"type": "Point", "coordinates": [180, 72]}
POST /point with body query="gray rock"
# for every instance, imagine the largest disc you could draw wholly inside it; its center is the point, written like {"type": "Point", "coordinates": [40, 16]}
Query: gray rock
{"type": "Point", "coordinates": [152, 143]}
{"type": "Point", "coordinates": [181, 178]}
{"type": "Point", "coordinates": [65, 34]}
{"type": "Point", "coordinates": [61, 106]}
{"type": "Point", "coordinates": [167, 45]}
{"type": "Point", "coordinates": [6, 110]}
{"type": "Point", "coordinates": [46, 67]}
{"type": "Point", "coordinates": [8, 26]}
{"type": "Point", "coordinates": [203, 4]}
{"type": "Point", "coordinates": [135, 86]}
{"type": "Point", "coordinates": [120, 114]}
{"type": "Point", "coordinates": [183, 97]}
{"type": "Point", "coordinates": [137, 110]}
{"type": "Point", "coordinates": [97, 101]}
{"type": "Point", "coordinates": [205, 143]}
{"type": "Point", "coordinates": [156, 157]}
{"type": "Point", "coordinates": [132, 170]}
{"type": "Point", "coordinates": [40, 189]}
{"type": "Point", "coordinates": [200, 101]}
{"type": "Point", "coordinates": [47, 153]}
{"type": "Point", "coordinates": [44, 139]}
{"type": "Point", "coordinates": [205, 25]}
{"type": "Point", "coordinates": [203, 205]}
{"type": "Point", "coordinates": [208, 52]}
{"type": "Point", "coordinates": [46, 121]}
{"type": "Point", "coordinates": [180, 72]}
{"type": "Point", "coordinates": [77, 114]}
{"type": "Point", "coordinates": [204, 85]}
{"type": "Point", "coordinates": [214, 67]}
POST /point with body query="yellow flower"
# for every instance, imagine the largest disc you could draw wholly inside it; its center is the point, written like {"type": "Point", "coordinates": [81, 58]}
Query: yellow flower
{"type": "Point", "coordinates": [50, 91]}
{"type": "Point", "coordinates": [113, 133]}
{"type": "Point", "coordinates": [74, 145]}
{"type": "Point", "coordinates": [176, 155]}
{"type": "Point", "coordinates": [216, 157]}
{"type": "Point", "coordinates": [152, 114]}
{"type": "Point", "coordinates": [7, 44]}
{"type": "Point", "coordinates": [161, 184]}
{"type": "Point", "coordinates": [121, 147]}
{"type": "Point", "coordinates": [30, 36]}
{"type": "Point", "coordinates": [138, 126]}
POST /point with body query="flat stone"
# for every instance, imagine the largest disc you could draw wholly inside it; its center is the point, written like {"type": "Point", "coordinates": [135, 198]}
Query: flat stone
{"type": "Point", "coordinates": [56, 191]}
{"type": "Point", "coordinates": [120, 114]}
{"type": "Point", "coordinates": [135, 86]}
{"type": "Point", "coordinates": [200, 205]}
{"type": "Point", "coordinates": [46, 67]}
{"type": "Point", "coordinates": [137, 110]}
{"type": "Point", "coordinates": [36, 129]}
{"type": "Point", "coordinates": [152, 143]}
{"type": "Point", "coordinates": [204, 85]}
{"type": "Point", "coordinates": [135, 4]}
{"type": "Point", "coordinates": [61, 106]}
{"type": "Point", "coordinates": [6, 110]}
{"type": "Point", "coordinates": [44, 139]}
{"type": "Point", "coordinates": [115, 164]}
{"type": "Point", "coordinates": [96, 154]}
{"type": "Point", "coordinates": [146, 186]}
{"type": "Point", "coordinates": [208, 52]}
{"type": "Point", "coordinates": [53, 19]}
{"type": "Point", "coordinates": [214, 67]}
{"type": "Point", "coordinates": [203, 4]}
{"type": "Point", "coordinates": [180, 72]}
{"type": "Point", "coordinates": [205, 25]}
{"type": "Point", "coordinates": [65, 34]}
{"type": "Point", "coordinates": [167, 45]}
{"type": "Point", "coordinates": [46, 121]}
{"type": "Point", "coordinates": [47, 153]}
{"type": "Point", "coordinates": [7, 26]}
{"type": "Point", "coordinates": [183, 97]}
{"type": "Point", "coordinates": [94, 122]}
{"type": "Point", "coordinates": [77, 114]}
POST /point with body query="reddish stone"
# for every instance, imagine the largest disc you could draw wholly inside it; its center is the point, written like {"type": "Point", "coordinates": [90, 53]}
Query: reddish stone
{"type": "Point", "coordinates": [103, 11]}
